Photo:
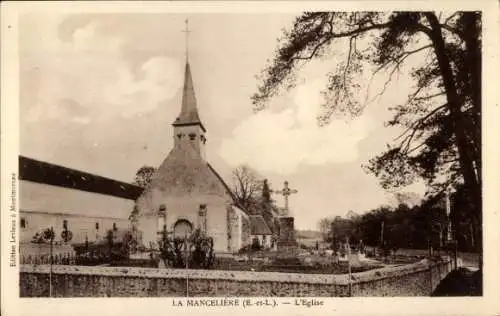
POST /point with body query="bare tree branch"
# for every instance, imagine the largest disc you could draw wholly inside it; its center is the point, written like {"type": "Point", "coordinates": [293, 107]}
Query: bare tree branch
{"type": "Point", "coordinates": [398, 60]}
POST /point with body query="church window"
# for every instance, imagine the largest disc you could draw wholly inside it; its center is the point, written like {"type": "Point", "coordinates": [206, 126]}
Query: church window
{"type": "Point", "coordinates": [23, 223]}
{"type": "Point", "coordinates": [192, 136]}
{"type": "Point", "coordinates": [179, 135]}
{"type": "Point", "coordinates": [114, 226]}
{"type": "Point", "coordinates": [65, 224]}
{"type": "Point", "coordinates": [97, 226]}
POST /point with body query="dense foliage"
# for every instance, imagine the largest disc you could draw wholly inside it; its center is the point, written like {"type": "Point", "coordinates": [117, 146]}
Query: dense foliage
{"type": "Point", "coordinates": [416, 227]}
{"type": "Point", "coordinates": [194, 252]}
{"type": "Point", "coordinates": [144, 176]}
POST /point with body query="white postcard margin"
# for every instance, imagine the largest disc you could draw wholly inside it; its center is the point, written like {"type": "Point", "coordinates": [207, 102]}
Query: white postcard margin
{"type": "Point", "coordinates": [489, 304]}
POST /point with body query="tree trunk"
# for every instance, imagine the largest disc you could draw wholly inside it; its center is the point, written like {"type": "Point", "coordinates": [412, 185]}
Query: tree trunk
{"type": "Point", "coordinates": [467, 167]}
{"type": "Point", "coordinates": [471, 36]}
{"type": "Point", "coordinates": [471, 231]}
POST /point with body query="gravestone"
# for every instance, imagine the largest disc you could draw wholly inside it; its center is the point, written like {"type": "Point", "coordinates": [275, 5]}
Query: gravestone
{"type": "Point", "coordinates": [354, 260]}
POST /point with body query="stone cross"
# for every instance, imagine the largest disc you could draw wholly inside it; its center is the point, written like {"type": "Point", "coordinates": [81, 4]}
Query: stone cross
{"type": "Point", "coordinates": [286, 192]}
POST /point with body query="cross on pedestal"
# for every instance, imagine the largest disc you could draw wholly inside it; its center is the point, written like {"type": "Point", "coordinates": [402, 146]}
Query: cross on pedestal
{"type": "Point", "coordinates": [286, 193]}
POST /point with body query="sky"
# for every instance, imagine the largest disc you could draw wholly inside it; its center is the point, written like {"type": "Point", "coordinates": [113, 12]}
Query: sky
{"type": "Point", "coordinates": [99, 92]}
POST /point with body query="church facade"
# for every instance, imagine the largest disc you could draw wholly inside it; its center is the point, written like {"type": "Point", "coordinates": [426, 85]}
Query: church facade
{"type": "Point", "coordinates": [186, 193]}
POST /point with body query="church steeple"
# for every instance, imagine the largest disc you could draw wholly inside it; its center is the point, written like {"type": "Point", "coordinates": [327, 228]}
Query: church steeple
{"type": "Point", "coordinates": [189, 110]}
{"type": "Point", "coordinates": [188, 128]}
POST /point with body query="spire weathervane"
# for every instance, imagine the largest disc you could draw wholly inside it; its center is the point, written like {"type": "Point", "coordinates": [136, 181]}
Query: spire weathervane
{"type": "Point", "coordinates": [187, 31]}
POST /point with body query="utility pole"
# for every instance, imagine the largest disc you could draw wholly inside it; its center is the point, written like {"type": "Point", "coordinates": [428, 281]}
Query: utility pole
{"type": "Point", "coordinates": [382, 234]}
{"type": "Point", "coordinates": [186, 256]}
{"type": "Point", "coordinates": [349, 264]}
{"type": "Point", "coordinates": [52, 235]}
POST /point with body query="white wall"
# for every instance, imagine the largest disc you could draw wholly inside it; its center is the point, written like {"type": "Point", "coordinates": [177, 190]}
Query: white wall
{"type": "Point", "coordinates": [186, 207]}
{"type": "Point", "coordinates": [42, 206]}
{"type": "Point", "coordinates": [80, 226]}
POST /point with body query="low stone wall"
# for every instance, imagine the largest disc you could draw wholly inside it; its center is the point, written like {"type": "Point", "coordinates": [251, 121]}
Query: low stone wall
{"type": "Point", "coordinates": [418, 279]}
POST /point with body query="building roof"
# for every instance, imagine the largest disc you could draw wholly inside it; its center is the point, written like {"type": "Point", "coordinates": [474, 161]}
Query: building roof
{"type": "Point", "coordinates": [228, 190]}
{"type": "Point", "coordinates": [183, 173]}
{"type": "Point", "coordinates": [258, 225]}
{"type": "Point", "coordinates": [47, 173]}
{"type": "Point", "coordinates": [189, 110]}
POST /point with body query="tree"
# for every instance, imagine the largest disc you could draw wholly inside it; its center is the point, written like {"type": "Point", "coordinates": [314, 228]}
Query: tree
{"type": "Point", "coordinates": [408, 198]}
{"type": "Point", "coordinates": [442, 116]}
{"type": "Point", "coordinates": [324, 226]}
{"type": "Point", "coordinates": [247, 186]}
{"type": "Point", "coordinates": [144, 175]}
{"type": "Point", "coordinates": [266, 193]}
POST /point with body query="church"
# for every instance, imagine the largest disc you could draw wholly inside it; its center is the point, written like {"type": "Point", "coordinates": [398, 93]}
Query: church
{"type": "Point", "coordinates": [186, 193]}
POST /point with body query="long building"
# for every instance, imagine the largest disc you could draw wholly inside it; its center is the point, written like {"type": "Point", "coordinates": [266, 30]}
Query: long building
{"type": "Point", "coordinates": [87, 204]}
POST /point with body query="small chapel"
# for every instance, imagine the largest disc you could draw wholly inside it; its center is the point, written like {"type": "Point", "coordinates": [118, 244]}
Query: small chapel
{"type": "Point", "coordinates": [186, 193]}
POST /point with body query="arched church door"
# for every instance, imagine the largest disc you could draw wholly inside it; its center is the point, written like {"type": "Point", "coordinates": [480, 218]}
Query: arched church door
{"type": "Point", "coordinates": [182, 228]}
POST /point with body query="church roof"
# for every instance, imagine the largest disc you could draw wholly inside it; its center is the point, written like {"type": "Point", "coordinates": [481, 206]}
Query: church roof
{"type": "Point", "coordinates": [47, 173]}
{"type": "Point", "coordinates": [189, 110]}
{"type": "Point", "coordinates": [229, 191]}
{"type": "Point", "coordinates": [258, 225]}
{"type": "Point", "coordinates": [183, 172]}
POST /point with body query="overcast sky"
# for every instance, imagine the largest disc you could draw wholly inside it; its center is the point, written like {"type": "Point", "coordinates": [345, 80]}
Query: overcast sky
{"type": "Point", "coordinates": [99, 93]}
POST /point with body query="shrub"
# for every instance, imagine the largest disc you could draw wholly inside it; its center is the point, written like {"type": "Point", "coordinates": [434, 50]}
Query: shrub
{"type": "Point", "coordinates": [66, 235]}
{"type": "Point", "coordinates": [197, 251]}
{"type": "Point", "coordinates": [245, 249]}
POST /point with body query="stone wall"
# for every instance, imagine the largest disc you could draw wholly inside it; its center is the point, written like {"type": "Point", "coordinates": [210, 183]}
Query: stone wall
{"type": "Point", "coordinates": [78, 281]}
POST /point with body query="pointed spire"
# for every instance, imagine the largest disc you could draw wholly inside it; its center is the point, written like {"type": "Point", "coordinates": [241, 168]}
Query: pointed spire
{"type": "Point", "coordinates": [189, 111]}
{"type": "Point", "coordinates": [187, 31]}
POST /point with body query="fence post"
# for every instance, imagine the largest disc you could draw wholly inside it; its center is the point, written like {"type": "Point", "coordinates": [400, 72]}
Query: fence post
{"type": "Point", "coordinates": [456, 254]}
{"type": "Point", "coordinates": [430, 276]}
{"type": "Point", "coordinates": [186, 256]}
